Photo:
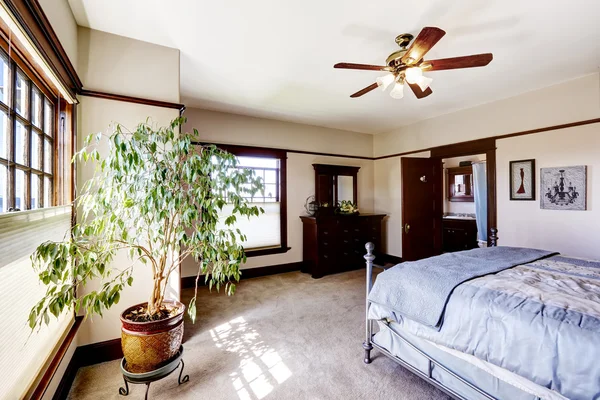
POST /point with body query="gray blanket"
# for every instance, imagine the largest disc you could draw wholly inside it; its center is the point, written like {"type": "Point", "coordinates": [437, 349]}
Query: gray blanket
{"type": "Point", "coordinates": [419, 290]}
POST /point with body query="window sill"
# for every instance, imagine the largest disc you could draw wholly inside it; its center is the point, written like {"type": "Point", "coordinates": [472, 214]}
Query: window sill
{"type": "Point", "coordinates": [266, 252]}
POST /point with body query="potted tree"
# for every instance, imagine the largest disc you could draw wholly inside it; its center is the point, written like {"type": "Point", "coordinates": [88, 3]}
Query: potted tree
{"type": "Point", "coordinates": [158, 196]}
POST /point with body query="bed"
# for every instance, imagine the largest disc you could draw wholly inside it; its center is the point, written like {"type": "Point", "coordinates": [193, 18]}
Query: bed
{"type": "Point", "coordinates": [524, 325]}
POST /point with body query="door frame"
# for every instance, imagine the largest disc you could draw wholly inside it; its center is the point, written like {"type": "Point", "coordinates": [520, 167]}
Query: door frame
{"type": "Point", "coordinates": [485, 146]}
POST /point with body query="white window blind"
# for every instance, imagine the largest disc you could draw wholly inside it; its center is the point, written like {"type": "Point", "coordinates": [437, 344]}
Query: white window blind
{"type": "Point", "coordinates": [23, 353]}
{"type": "Point", "coordinates": [263, 231]}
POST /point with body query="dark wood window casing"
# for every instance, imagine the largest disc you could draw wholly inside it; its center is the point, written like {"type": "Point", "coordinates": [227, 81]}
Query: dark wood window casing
{"type": "Point", "coordinates": [29, 118]}
{"type": "Point", "coordinates": [281, 155]}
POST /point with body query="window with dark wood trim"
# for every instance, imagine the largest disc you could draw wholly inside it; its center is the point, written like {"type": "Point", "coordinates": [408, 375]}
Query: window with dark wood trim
{"type": "Point", "coordinates": [27, 139]}
{"type": "Point", "coordinates": [271, 166]}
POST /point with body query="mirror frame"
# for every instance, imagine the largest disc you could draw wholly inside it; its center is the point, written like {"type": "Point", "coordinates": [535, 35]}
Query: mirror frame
{"type": "Point", "coordinates": [327, 175]}
{"type": "Point", "coordinates": [451, 173]}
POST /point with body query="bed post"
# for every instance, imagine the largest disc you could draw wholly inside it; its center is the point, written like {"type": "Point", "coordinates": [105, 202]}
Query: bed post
{"type": "Point", "coordinates": [368, 323]}
{"type": "Point", "coordinates": [493, 237]}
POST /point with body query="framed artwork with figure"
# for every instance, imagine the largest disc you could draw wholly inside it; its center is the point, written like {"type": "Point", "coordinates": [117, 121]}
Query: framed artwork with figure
{"type": "Point", "coordinates": [522, 180]}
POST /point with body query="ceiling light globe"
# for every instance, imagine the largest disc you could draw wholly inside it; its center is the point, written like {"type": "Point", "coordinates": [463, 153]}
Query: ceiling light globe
{"type": "Point", "coordinates": [384, 81]}
{"type": "Point", "coordinates": [413, 74]}
{"type": "Point", "coordinates": [398, 91]}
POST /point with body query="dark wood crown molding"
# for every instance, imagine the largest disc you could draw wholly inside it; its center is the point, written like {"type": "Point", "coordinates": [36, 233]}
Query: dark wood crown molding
{"type": "Point", "coordinates": [131, 99]}
{"type": "Point", "coordinates": [31, 17]}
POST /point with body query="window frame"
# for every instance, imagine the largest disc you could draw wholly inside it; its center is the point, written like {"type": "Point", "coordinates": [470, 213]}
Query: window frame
{"type": "Point", "coordinates": [18, 67]}
{"type": "Point", "coordinates": [281, 155]}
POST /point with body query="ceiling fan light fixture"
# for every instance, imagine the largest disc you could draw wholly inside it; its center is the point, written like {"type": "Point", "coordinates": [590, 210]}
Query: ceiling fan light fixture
{"type": "Point", "coordinates": [398, 91]}
{"type": "Point", "coordinates": [413, 74]}
{"type": "Point", "coordinates": [384, 81]}
{"type": "Point", "coordinates": [424, 82]}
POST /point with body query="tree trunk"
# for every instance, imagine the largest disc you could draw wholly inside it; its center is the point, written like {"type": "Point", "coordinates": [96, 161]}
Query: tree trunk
{"type": "Point", "coordinates": [156, 298]}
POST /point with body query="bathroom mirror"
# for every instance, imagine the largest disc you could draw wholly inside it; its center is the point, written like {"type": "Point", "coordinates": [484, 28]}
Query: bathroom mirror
{"type": "Point", "coordinates": [460, 184]}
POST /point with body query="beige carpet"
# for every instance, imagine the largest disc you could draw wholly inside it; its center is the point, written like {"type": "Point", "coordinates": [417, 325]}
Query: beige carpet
{"type": "Point", "coordinates": [284, 336]}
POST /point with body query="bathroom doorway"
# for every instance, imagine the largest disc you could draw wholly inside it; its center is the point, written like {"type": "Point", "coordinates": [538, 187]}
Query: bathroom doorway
{"type": "Point", "coordinates": [464, 219]}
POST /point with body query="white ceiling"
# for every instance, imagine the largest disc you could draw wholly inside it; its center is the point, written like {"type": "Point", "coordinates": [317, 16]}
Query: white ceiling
{"type": "Point", "coordinates": [274, 58]}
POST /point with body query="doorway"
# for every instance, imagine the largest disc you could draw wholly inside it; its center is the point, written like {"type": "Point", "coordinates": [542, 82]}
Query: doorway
{"type": "Point", "coordinates": [464, 219]}
{"type": "Point", "coordinates": [424, 208]}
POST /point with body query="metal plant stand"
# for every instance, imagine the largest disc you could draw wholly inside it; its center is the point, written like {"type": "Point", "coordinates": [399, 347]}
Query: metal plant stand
{"type": "Point", "coordinates": [147, 378]}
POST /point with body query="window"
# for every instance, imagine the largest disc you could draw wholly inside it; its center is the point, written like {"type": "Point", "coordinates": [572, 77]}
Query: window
{"type": "Point", "coordinates": [266, 234]}
{"type": "Point", "coordinates": [27, 141]}
{"type": "Point", "coordinates": [35, 174]}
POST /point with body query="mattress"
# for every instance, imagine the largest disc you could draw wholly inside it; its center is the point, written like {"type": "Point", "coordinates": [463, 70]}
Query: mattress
{"type": "Point", "coordinates": [493, 380]}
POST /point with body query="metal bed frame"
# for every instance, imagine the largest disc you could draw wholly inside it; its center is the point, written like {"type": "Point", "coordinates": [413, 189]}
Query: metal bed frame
{"type": "Point", "coordinates": [369, 345]}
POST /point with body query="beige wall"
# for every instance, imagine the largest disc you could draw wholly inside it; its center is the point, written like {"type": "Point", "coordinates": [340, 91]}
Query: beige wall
{"type": "Point", "coordinates": [229, 128]}
{"type": "Point", "coordinates": [388, 200]}
{"type": "Point", "coordinates": [566, 102]}
{"type": "Point", "coordinates": [221, 127]}
{"type": "Point", "coordinates": [523, 223]}
{"type": "Point", "coordinates": [63, 22]}
{"type": "Point", "coordinates": [116, 64]}
{"type": "Point", "coordinates": [575, 100]}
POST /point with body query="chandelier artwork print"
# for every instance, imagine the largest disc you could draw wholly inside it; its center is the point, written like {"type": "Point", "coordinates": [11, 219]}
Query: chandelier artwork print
{"type": "Point", "coordinates": [564, 188]}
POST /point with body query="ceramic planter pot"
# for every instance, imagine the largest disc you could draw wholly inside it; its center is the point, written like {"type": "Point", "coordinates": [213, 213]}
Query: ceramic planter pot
{"type": "Point", "coordinates": [150, 345]}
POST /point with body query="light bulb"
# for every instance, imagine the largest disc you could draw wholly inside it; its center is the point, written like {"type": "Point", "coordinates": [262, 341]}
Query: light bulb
{"type": "Point", "coordinates": [384, 81]}
{"type": "Point", "coordinates": [413, 74]}
{"type": "Point", "coordinates": [424, 82]}
{"type": "Point", "coordinates": [398, 91]}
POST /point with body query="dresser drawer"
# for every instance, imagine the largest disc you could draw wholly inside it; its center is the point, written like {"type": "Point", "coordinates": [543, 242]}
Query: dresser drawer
{"type": "Point", "coordinates": [339, 242]}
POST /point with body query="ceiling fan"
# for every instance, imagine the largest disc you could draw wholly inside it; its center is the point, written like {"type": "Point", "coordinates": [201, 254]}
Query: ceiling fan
{"type": "Point", "coordinates": [407, 65]}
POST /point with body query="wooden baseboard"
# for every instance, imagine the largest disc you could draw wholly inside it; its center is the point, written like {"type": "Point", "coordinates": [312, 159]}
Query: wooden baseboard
{"type": "Point", "coordinates": [87, 355]}
{"type": "Point", "coordinates": [96, 353]}
{"type": "Point", "coordinates": [190, 281]}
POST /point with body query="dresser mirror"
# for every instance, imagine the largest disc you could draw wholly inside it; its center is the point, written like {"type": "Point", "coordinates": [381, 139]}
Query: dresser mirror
{"type": "Point", "coordinates": [345, 188]}
{"type": "Point", "coordinates": [334, 183]}
{"type": "Point", "coordinates": [460, 184]}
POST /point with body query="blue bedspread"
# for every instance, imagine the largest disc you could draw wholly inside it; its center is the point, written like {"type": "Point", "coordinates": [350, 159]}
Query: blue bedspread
{"type": "Point", "coordinates": [420, 289]}
{"type": "Point", "coordinates": [540, 320]}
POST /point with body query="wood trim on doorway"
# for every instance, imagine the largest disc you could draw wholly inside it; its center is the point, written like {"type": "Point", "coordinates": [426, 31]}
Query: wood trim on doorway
{"type": "Point", "coordinates": [485, 146]}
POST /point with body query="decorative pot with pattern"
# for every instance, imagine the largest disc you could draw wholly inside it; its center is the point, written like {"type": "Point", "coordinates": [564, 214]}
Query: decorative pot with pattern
{"type": "Point", "coordinates": [150, 345]}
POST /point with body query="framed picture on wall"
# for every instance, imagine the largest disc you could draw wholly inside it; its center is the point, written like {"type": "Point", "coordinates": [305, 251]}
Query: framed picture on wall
{"type": "Point", "coordinates": [522, 180]}
{"type": "Point", "coordinates": [563, 188]}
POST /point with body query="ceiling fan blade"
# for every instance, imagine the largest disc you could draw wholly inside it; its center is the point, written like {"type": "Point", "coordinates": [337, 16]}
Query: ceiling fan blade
{"type": "Point", "coordinates": [366, 67]}
{"type": "Point", "coordinates": [418, 92]}
{"type": "Point", "coordinates": [365, 90]}
{"type": "Point", "coordinates": [426, 39]}
{"type": "Point", "coordinates": [476, 60]}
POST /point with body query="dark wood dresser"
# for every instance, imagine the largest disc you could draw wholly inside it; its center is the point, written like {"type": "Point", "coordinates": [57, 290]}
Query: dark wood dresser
{"type": "Point", "coordinates": [459, 234]}
{"type": "Point", "coordinates": [336, 243]}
